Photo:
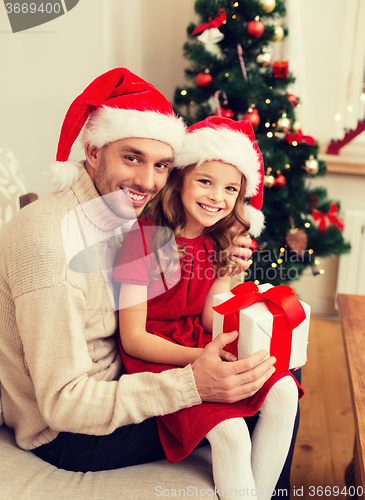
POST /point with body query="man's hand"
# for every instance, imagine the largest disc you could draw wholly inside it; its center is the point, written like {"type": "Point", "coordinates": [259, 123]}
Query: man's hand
{"type": "Point", "coordinates": [242, 253]}
{"type": "Point", "coordinates": [221, 382]}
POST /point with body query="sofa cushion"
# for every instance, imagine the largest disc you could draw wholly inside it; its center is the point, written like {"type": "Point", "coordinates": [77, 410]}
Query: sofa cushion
{"type": "Point", "coordinates": [26, 477]}
{"type": "Point", "coordinates": [12, 186]}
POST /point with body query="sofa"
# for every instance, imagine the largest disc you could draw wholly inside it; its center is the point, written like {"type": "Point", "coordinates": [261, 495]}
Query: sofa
{"type": "Point", "coordinates": [23, 476]}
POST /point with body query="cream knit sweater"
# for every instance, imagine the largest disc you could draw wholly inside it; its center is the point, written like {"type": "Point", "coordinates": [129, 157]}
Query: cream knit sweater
{"type": "Point", "coordinates": [60, 368]}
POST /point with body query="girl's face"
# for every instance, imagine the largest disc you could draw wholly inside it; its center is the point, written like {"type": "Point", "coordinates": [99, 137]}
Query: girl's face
{"type": "Point", "coordinates": [208, 194]}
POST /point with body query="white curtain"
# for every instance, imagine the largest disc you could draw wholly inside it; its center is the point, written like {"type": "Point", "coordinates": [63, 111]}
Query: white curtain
{"type": "Point", "coordinates": [351, 65]}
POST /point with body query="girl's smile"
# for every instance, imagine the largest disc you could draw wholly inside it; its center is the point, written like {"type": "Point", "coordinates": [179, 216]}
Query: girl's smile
{"type": "Point", "coordinates": [208, 194]}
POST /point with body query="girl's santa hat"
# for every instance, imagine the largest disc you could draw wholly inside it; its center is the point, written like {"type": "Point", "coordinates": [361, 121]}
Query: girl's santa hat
{"type": "Point", "coordinates": [233, 142]}
{"type": "Point", "coordinates": [116, 105]}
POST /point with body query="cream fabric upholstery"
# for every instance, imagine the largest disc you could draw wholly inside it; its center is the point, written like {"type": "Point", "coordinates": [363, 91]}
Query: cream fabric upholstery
{"type": "Point", "coordinates": [26, 477]}
{"type": "Point", "coordinates": [12, 186]}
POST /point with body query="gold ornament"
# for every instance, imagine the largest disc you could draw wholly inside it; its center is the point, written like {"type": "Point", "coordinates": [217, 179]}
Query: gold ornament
{"type": "Point", "coordinates": [278, 34]}
{"type": "Point", "coordinates": [268, 5]}
{"type": "Point", "coordinates": [311, 166]}
{"type": "Point", "coordinates": [264, 59]}
{"type": "Point", "coordinates": [269, 181]}
{"type": "Point", "coordinates": [296, 126]}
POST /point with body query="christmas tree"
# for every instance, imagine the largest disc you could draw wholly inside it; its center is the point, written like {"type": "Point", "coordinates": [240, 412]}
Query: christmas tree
{"type": "Point", "coordinates": [232, 74]}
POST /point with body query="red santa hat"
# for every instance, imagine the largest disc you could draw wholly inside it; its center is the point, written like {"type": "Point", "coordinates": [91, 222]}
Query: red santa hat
{"type": "Point", "coordinates": [116, 105]}
{"type": "Point", "coordinates": [233, 142]}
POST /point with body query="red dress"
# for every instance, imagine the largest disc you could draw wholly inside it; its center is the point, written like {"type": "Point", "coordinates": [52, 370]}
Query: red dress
{"type": "Point", "coordinates": [174, 314]}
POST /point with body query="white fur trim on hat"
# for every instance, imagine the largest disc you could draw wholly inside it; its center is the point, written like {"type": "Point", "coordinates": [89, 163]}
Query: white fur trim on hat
{"type": "Point", "coordinates": [256, 219]}
{"type": "Point", "coordinates": [107, 124]}
{"type": "Point", "coordinates": [62, 174]}
{"type": "Point", "coordinates": [208, 144]}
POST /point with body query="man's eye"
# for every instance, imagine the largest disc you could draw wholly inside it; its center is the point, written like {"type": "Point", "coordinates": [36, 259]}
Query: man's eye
{"type": "Point", "coordinates": [132, 159]}
{"type": "Point", "coordinates": [162, 165]}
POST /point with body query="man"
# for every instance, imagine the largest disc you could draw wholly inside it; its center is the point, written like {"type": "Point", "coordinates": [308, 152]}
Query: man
{"type": "Point", "coordinates": [60, 368]}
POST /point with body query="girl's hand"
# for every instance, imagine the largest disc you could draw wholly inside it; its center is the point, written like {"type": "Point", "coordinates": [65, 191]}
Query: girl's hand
{"type": "Point", "coordinates": [227, 356]}
{"type": "Point", "coordinates": [242, 253]}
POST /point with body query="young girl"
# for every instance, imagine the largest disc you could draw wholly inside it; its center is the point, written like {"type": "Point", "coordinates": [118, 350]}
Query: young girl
{"type": "Point", "coordinates": [219, 165]}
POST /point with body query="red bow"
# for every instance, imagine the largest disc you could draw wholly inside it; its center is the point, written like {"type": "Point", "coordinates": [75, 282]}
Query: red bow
{"type": "Point", "coordinates": [327, 219]}
{"type": "Point", "coordinates": [215, 23]}
{"type": "Point", "coordinates": [285, 307]}
{"type": "Point", "coordinates": [299, 137]}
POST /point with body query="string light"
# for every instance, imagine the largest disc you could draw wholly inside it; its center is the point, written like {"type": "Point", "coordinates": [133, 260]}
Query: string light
{"type": "Point", "coordinates": [234, 16]}
{"type": "Point", "coordinates": [183, 92]}
{"type": "Point", "coordinates": [294, 143]}
{"type": "Point", "coordinates": [274, 264]}
{"type": "Point", "coordinates": [256, 282]}
{"type": "Point", "coordinates": [307, 224]}
{"type": "Point", "coordinates": [269, 134]}
{"type": "Point", "coordinates": [267, 101]}
{"type": "Point", "coordinates": [236, 4]}
{"type": "Point", "coordinates": [287, 166]}
{"type": "Point", "coordinates": [226, 75]}
{"type": "Point", "coordinates": [267, 124]}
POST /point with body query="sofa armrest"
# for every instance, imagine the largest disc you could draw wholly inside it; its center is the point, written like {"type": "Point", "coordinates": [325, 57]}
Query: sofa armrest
{"type": "Point", "coordinates": [25, 199]}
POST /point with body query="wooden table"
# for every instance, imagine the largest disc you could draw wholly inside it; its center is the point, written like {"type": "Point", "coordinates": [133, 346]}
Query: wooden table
{"type": "Point", "coordinates": [352, 313]}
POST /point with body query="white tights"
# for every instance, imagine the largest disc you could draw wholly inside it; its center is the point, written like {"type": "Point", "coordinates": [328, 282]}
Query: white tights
{"type": "Point", "coordinates": [254, 465]}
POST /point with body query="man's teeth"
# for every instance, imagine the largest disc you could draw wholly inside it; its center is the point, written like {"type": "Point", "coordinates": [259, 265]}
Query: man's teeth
{"type": "Point", "coordinates": [136, 197]}
{"type": "Point", "coordinates": [210, 209]}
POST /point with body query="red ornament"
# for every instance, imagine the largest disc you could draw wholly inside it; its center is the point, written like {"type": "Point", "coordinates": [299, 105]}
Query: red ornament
{"type": "Point", "coordinates": [203, 79]}
{"type": "Point", "coordinates": [292, 99]}
{"type": "Point", "coordinates": [280, 181]}
{"type": "Point", "coordinates": [253, 116]}
{"type": "Point", "coordinates": [280, 69]}
{"type": "Point", "coordinates": [254, 245]}
{"type": "Point", "coordinates": [255, 29]}
{"type": "Point", "coordinates": [226, 113]}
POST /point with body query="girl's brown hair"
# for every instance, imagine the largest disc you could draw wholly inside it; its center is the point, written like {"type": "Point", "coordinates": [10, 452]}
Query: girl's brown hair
{"type": "Point", "coordinates": [167, 210]}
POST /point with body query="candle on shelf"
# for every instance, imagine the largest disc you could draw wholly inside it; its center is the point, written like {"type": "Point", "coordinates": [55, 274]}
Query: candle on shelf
{"type": "Point", "coordinates": [337, 135]}
{"type": "Point", "coordinates": [349, 118]}
{"type": "Point", "coordinates": [362, 107]}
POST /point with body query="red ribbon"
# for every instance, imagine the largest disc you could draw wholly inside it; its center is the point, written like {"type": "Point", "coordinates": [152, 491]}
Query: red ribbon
{"type": "Point", "coordinates": [299, 137]}
{"type": "Point", "coordinates": [215, 23]}
{"type": "Point", "coordinates": [285, 307]}
{"type": "Point", "coordinates": [327, 219]}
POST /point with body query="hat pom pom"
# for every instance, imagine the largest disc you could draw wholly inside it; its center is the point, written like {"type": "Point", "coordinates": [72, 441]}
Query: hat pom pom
{"type": "Point", "coordinates": [256, 219]}
{"type": "Point", "coordinates": [62, 175]}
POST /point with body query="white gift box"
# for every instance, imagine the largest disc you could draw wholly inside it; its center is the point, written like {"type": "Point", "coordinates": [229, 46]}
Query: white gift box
{"type": "Point", "coordinates": [255, 329]}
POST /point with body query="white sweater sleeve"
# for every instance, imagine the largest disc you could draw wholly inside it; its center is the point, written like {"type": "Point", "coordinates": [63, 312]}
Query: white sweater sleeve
{"type": "Point", "coordinates": [51, 323]}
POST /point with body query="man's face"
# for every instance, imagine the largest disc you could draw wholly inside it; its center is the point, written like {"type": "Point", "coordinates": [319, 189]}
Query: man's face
{"type": "Point", "coordinates": [137, 166]}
